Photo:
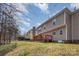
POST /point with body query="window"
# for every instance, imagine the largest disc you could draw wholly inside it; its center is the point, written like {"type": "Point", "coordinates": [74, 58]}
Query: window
{"type": "Point", "coordinates": [61, 32]}
{"type": "Point", "coordinates": [54, 21]}
{"type": "Point", "coordinates": [54, 33]}
{"type": "Point", "coordinates": [44, 27]}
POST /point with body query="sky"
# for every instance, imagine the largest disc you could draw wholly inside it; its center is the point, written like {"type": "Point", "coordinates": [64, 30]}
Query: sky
{"type": "Point", "coordinates": [34, 14]}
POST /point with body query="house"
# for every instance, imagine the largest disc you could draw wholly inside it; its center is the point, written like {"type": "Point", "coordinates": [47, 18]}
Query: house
{"type": "Point", "coordinates": [62, 27]}
{"type": "Point", "coordinates": [75, 26]}
{"type": "Point", "coordinates": [31, 34]}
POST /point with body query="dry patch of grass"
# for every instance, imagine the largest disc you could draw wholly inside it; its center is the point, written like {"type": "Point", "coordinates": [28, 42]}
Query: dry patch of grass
{"type": "Point", "coordinates": [44, 49]}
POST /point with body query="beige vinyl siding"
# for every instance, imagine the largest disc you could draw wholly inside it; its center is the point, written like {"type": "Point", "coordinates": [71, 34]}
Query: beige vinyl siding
{"type": "Point", "coordinates": [49, 25]}
{"type": "Point", "coordinates": [68, 26]}
{"type": "Point", "coordinates": [75, 26]}
{"type": "Point", "coordinates": [67, 21]}
{"type": "Point", "coordinates": [59, 21]}
{"type": "Point", "coordinates": [58, 36]}
{"type": "Point", "coordinates": [29, 35]}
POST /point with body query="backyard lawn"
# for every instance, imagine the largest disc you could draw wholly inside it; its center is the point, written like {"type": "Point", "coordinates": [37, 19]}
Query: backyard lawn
{"type": "Point", "coordinates": [43, 49]}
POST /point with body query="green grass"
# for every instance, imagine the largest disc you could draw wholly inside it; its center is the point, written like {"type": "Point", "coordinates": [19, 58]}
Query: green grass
{"type": "Point", "coordinates": [7, 48]}
{"type": "Point", "coordinates": [44, 49]}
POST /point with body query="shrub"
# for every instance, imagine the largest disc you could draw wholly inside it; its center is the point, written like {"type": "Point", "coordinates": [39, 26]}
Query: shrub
{"type": "Point", "coordinates": [6, 48]}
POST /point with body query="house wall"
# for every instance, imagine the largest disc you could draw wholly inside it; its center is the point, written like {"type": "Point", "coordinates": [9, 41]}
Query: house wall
{"type": "Point", "coordinates": [49, 25]}
{"type": "Point", "coordinates": [75, 26]}
{"type": "Point", "coordinates": [68, 26]}
{"type": "Point", "coordinates": [31, 33]}
{"type": "Point", "coordinates": [65, 21]}
{"type": "Point", "coordinates": [57, 35]}
{"type": "Point", "coordinates": [50, 28]}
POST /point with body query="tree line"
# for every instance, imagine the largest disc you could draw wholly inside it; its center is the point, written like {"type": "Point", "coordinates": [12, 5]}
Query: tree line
{"type": "Point", "coordinates": [8, 25]}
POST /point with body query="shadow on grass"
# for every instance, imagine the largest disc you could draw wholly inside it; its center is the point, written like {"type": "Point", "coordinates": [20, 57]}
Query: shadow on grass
{"type": "Point", "coordinates": [7, 48]}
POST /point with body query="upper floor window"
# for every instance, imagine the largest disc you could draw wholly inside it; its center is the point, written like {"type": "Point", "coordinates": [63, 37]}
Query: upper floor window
{"type": "Point", "coordinates": [44, 27]}
{"type": "Point", "coordinates": [61, 32]}
{"type": "Point", "coordinates": [54, 21]}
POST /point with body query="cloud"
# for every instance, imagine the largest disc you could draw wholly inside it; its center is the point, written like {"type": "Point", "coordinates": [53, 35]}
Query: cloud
{"type": "Point", "coordinates": [29, 20]}
{"type": "Point", "coordinates": [22, 30]}
{"type": "Point", "coordinates": [24, 23]}
{"type": "Point", "coordinates": [38, 24]}
{"type": "Point", "coordinates": [72, 5]}
{"type": "Point", "coordinates": [22, 20]}
{"type": "Point", "coordinates": [23, 26]}
{"type": "Point", "coordinates": [22, 17]}
{"type": "Point", "coordinates": [75, 5]}
{"type": "Point", "coordinates": [19, 14]}
{"type": "Point", "coordinates": [42, 6]}
{"type": "Point", "coordinates": [55, 12]}
{"type": "Point", "coordinates": [21, 7]}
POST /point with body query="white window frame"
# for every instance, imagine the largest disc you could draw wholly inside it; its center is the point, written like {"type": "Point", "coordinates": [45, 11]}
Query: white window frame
{"type": "Point", "coordinates": [62, 31]}
{"type": "Point", "coordinates": [54, 21]}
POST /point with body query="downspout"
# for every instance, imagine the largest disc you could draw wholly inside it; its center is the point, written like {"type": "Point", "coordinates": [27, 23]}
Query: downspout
{"type": "Point", "coordinates": [71, 28]}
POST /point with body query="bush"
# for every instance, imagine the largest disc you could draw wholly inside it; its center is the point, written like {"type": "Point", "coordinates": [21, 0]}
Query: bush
{"type": "Point", "coordinates": [6, 48]}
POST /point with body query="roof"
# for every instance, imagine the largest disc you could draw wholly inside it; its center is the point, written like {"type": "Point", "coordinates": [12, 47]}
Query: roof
{"type": "Point", "coordinates": [60, 12]}
{"type": "Point", "coordinates": [76, 11]}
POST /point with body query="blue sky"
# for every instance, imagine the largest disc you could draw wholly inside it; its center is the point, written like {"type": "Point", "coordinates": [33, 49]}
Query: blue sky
{"type": "Point", "coordinates": [35, 14]}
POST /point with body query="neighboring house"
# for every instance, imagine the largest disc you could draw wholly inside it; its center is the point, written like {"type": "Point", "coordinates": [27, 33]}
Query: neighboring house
{"type": "Point", "coordinates": [62, 27]}
{"type": "Point", "coordinates": [31, 34]}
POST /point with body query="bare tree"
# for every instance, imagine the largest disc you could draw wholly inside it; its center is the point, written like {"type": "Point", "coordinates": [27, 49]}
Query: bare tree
{"type": "Point", "coordinates": [8, 26]}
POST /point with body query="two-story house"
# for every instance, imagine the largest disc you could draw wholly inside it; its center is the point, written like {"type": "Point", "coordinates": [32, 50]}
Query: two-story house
{"type": "Point", "coordinates": [58, 26]}
{"type": "Point", "coordinates": [62, 27]}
